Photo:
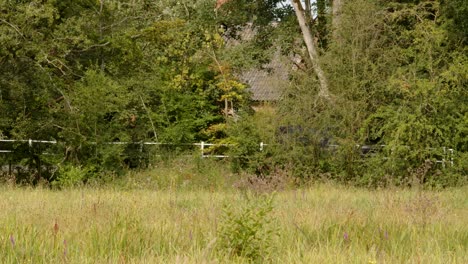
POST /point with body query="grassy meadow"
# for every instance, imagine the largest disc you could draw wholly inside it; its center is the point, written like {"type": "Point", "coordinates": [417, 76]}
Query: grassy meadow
{"type": "Point", "coordinates": [318, 224]}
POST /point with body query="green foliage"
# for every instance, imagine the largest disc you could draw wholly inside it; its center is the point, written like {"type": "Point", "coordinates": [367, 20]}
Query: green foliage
{"type": "Point", "coordinates": [176, 173]}
{"type": "Point", "coordinates": [89, 73]}
{"type": "Point", "coordinates": [399, 81]}
{"type": "Point", "coordinates": [247, 230]}
{"type": "Point", "coordinates": [456, 12]}
{"type": "Point", "coordinates": [245, 139]}
{"type": "Point", "coordinates": [426, 106]}
{"type": "Point", "coordinates": [71, 176]}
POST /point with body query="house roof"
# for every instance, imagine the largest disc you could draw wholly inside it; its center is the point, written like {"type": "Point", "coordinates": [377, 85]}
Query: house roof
{"type": "Point", "coordinates": [268, 82]}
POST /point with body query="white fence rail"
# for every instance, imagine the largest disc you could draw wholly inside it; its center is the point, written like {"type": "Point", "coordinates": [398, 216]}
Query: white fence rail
{"type": "Point", "coordinates": [447, 153]}
{"type": "Point", "coordinates": [202, 145]}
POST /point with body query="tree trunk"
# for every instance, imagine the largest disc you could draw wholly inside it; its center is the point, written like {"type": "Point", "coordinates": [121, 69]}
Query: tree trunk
{"type": "Point", "coordinates": [308, 39]}
{"type": "Point", "coordinates": [336, 12]}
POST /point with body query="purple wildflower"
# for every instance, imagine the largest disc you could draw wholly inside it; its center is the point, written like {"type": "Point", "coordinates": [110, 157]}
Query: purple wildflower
{"type": "Point", "coordinates": [65, 250]}
{"type": "Point", "coordinates": [12, 240]}
{"type": "Point", "coordinates": [346, 236]}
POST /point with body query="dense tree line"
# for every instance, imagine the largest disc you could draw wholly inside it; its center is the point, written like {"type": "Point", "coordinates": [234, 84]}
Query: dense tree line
{"type": "Point", "coordinates": [383, 73]}
{"type": "Point", "coordinates": [391, 76]}
{"type": "Point", "coordinates": [88, 72]}
{"type": "Point", "coordinates": [397, 73]}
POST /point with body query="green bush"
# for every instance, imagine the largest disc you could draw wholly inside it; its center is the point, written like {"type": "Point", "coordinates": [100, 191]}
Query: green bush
{"type": "Point", "coordinates": [246, 230]}
{"type": "Point", "coordinates": [245, 138]}
{"type": "Point", "coordinates": [72, 176]}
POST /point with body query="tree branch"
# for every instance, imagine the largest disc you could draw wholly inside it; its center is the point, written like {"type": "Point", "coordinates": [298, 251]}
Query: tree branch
{"type": "Point", "coordinates": [151, 120]}
{"type": "Point", "coordinates": [13, 26]}
{"type": "Point", "coordinates": [336, 12]}
{"type": "Point", "coordinates": [308, 39]}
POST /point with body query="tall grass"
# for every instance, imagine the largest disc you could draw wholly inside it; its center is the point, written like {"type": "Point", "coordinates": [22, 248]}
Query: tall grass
{"type": "Point", "coordinates": [320, 224]}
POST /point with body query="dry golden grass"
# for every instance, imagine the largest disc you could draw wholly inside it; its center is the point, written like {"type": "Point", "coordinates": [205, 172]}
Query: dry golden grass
{"type": "Point", "coordinates": [321, 224]}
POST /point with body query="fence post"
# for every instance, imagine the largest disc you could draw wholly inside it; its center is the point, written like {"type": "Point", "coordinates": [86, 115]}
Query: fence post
{"type": "Point", "coordinates": [444, 157]}
{"type": "Point", "coordinates": [451, 157]}
{"type": "Point", "coordinates": [202, 148]}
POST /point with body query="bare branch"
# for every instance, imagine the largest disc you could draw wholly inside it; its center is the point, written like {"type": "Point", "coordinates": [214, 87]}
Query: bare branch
{"type": "Point", "coordinates": [94, 46]}
{"type": "Point", "coordinates": [13, 26]}
{"type": "Point", "coordinates": [149, 116]}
